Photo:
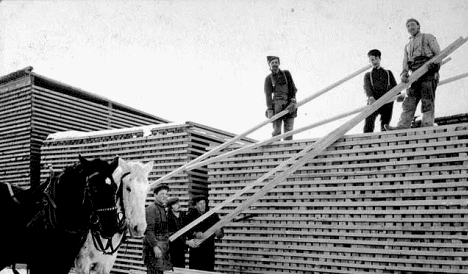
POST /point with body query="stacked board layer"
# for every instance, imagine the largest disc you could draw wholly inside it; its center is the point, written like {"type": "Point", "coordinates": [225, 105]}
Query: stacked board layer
{"type": "Point", "coordinates": [169, 146]}
{"type": "Point", "coordinates": [393, 202]}
{"type": "Point", "coordinates": [33, 106]}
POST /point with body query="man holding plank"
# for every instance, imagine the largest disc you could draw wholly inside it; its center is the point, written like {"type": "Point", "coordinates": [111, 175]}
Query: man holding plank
{"type": "Point", "coordinates": [420, 49]}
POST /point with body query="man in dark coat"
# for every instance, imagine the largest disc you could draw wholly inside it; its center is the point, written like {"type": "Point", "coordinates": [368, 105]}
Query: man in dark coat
{"type": "Point", "coordinates": [280, 92]}
{"type": "Point", "coordinates": [203, 256]}
{"type": "Point", "coordinates": [377, 82]}
{"type": "Point", "coordinates": [176, 221]}
{"type": "Point", "coordinates": [156, 242]}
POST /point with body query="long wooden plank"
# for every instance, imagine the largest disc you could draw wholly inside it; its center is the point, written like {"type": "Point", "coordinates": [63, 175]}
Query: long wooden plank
{"type": "Point", "coordinates": [243, 135]}
{"type": "Point", "coordinates": [452, 79]}
{"type": "Point", "coordinates": [315, 149]}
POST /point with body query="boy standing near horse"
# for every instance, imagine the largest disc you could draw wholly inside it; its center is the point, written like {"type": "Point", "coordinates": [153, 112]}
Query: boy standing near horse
{"type": "Point", "coordinates": [156, 242]}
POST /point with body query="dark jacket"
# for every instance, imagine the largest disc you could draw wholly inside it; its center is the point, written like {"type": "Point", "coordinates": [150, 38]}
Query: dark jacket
{"type": "Point", "coordinates": [178, 246]}
{"type": "Point", "coordinates": [202, 257]}
{"type": "Point", "coordinates": [381, 82]}
{"type": "Point", "coordinates": [156, 234]}
{"type": "Point", "coordinates": [269, 90]}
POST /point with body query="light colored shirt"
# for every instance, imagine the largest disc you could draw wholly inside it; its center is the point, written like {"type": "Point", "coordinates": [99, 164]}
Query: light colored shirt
{"type": "Point", "coordinates": [415, 48]}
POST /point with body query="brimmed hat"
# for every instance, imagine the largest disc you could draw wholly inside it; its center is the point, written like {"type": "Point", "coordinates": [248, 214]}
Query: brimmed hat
{"type": "Point", "coordinates": [271, 58]}
{"type": "Point", "coordinates": [160, 187]}
{"type": "Point", "coordinates": [412, 20]}
{"type": "Point", "coordinates": [197, 198]}
{"type": "Point", "coordinates": [172, 201]}
{"type": "Point", "coordinates": [374, 52]}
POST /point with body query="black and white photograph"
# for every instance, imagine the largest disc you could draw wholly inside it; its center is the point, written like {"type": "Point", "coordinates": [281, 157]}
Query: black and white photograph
{"type": "Point", "coordinates": [237, 137]}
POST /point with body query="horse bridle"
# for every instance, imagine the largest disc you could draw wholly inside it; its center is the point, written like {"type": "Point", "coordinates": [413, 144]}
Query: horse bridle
{"type": "Point", "coordinates": [109, 249]}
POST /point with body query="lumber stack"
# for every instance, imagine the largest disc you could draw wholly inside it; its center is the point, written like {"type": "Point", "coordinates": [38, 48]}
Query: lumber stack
{"type": "Point", "coordinates": [448, 120]}
{"type": "Point", "coordinates": [15, 131]}
{"type": "Point", "coordinates": [168, 145]}
{"type": "Point", "coordinates": [33, 106]}
{"type": "Point", "coordinates": [393, 202]}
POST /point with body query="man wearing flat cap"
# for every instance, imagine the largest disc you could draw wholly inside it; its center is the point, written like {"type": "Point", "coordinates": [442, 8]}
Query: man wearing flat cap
{"type": "Point", "coordinates": [377, 83]}
{"type": "Point", "coordinates": [419, 50]}
{"type": "Point", "coordinates": [176, 220]}
{"type": "Point", "coordinates": [280, 92]}
{"type": "Point", "coordinates": [202, 257]}
{"type": "Point", "coordinates": [156, 241]}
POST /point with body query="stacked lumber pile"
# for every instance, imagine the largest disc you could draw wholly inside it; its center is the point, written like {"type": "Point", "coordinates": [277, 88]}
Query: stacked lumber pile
{"type": "Point", "coordinates": [448, 120]}
{"type": "Point", "coordinates": [454, 119]}
{"type": "Point", "coordinates": [33, 106]}
{"type": "Point", "coordinates": [168, 145]}
{"type": "Point", "coordinates": [393, 202]}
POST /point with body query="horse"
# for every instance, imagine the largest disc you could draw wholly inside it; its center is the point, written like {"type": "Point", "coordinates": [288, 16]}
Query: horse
{"type": "Point", "coordinates": [132, 178]}
{"type": "Point", "coordinates": [45, 226]}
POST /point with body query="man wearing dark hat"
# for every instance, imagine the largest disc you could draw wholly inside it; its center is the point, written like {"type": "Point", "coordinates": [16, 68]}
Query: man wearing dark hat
{"type": "Point", "coordinates": [377, 82]}
{"type": "Point", "coordinates": [156, 242]}
{"type": "Point", "coordinates": [280, 92]}
{"type": "Point", "coordinates": [420, 49]}
{"type": "Point", "coordinates": [176, 221]}
{"type": "Point", "coordinates": [203, 256]}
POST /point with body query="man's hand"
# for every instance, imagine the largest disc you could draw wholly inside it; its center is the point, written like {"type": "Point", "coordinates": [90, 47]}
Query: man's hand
{"type": "Point", "coordinates": [292, 106]}
{"type": "Point", "coordinates": [157, 252]}
{"type": "Point", "coordinates": [433, 67]}
{"type": "Point", "coordinates": [192, 243]}
{"type": "Point", "coordinates": [404, 78]}
{"type": "Point", "coordinates": [400, 98]}
{"type": "Point", "coordinates": [269, 113]}
{"type": "Point", "coordinates": [219, 233]}
{"type": "Point", "coordinates": [370, 100]}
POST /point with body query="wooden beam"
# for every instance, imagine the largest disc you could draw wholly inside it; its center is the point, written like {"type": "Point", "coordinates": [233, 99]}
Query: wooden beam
{"type": "Point", "coordinates": [311, 151]}
{"type": "Point", "coordinates": [242, 135]}
{"type": "Point", "coordinates": [452, 79]}
{"type": "Point", "coordinates": [299, 130]}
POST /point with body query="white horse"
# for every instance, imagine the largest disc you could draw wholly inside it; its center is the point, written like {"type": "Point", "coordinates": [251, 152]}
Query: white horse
{"type": "Point", "coordinates": [134, 179]}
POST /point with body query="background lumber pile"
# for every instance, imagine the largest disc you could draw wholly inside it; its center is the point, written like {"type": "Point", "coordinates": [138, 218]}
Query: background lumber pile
{"type": "Point", "coordinates": [394, 202]}
{"type": "Point", "coordinates": [33, 106]}
{"type": "Point", "coordinates": [168, 145]}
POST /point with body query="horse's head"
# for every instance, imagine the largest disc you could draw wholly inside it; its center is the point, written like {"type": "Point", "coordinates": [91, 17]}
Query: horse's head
{"type": "Point", "coordinates": [134, 186]}
{"type": "Point", "coordinates": [100, 195]}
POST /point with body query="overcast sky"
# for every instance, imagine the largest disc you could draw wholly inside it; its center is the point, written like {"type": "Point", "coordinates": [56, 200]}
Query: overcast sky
{"type": "Point", "coordinates": [205, 61]}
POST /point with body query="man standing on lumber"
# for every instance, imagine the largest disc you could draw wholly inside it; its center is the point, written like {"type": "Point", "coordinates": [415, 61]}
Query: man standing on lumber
{"type": "Point", "coordinates": [377, 82]}
{"type": "Point", "coordinates": [156, 242]}
{"type": "Point", "coordinates": [420, 49]}
{"type": "Point", "coordinates": [280, 93]}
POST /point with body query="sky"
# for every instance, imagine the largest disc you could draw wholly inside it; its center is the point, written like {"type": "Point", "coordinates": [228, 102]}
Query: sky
{"type": "Point", "coordinates": [205, 61]}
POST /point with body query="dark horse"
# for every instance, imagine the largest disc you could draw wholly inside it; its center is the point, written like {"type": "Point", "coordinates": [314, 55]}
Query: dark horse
{"type": "Point", "coordinates": [46, 226]}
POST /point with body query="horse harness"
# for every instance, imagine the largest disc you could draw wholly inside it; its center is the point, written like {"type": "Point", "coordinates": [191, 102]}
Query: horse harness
{"type": "Point", "coordinates": [109, 248]}
{"type": "Point", "coordinates": [48, 210]}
